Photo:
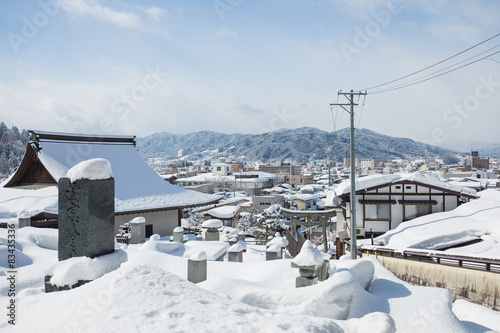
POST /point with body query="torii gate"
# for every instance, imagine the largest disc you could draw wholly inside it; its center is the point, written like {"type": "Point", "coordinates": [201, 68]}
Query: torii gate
{"type": "Point", "coordinates": [323, 215]}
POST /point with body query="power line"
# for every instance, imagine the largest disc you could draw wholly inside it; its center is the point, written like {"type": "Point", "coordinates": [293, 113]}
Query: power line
{"type": "Point", "coordinates": [433, 77]}
{"type": "Point", "coordinates": [451, 66]}
{"type": "Point", "coordinates": [440, 62]}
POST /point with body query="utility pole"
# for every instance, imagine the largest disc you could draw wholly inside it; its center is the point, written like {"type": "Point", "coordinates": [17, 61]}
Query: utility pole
{"type": "Point", "coordinates": [351, 104]}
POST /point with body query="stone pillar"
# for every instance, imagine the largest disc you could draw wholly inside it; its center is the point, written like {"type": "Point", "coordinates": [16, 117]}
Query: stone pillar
{"type": "Point", "coordinates": [138, 230]}
{"type": "Point", "coordinates": [178, 235]}
{"type": "Point", "coordinates": [273, 252]}
{"type": "Point", "coordinates": [212, 226]}
{"type": "Point", "coordinates": [307, 277]}
{"type": "Point", "coordinates": [235, 253]}
{"type": "Point", "coordinates": [197, 267]}
{"type": "Point", "coordinates": [24, 220]}
{"type": "Point", "coordinates": [212, 234]}
{"type": "Point", "coordinates": [86, 217]}
{"type": "Point", "coordinates": [241, 237]}
{"type": "Point", "coordinates": [322, 271]}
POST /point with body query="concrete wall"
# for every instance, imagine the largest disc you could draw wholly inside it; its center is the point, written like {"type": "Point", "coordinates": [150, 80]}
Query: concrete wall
{"type": "Point", "coordinates": [164, 222]}
{"type": "Point", "coordinates": [479, 287]}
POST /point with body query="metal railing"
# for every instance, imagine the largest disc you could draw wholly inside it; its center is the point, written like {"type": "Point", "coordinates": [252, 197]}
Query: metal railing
{"type": "Point", "coordinates": [467, 262]}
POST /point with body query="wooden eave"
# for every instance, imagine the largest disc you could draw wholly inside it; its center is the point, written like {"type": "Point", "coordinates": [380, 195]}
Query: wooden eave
{"type": "Point", "coordinates": [37, 136]}
{"type": "Point", "coordinates": [31, 171]}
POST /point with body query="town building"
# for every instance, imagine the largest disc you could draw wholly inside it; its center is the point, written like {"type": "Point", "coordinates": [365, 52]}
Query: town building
{"type": "Point", "coordinates": [479, 163]}
{"type": "Point", "coordinates": [263, 202]}
{"type": "Point", "coordinates": [281, 168]}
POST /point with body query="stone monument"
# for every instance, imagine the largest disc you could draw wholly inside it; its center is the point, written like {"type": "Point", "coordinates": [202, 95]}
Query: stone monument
{"type": "Point", "coordinates": [86, 212]}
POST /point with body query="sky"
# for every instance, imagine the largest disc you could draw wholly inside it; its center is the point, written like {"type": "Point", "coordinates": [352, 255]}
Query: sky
{"type": "Point", "coordinates": [241, 66]}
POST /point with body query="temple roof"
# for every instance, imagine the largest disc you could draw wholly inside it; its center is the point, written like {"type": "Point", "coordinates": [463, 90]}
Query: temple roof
{"type": "Point", "coordinates": [138, 187]}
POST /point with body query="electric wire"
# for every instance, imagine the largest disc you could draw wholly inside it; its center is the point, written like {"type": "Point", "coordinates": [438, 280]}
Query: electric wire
{"type": "Point", "coordinates": [432, 77]}
{"type": "Point", "coordinates": [444, 69]}
{"type": "Point", "coordinates": [440, 62]}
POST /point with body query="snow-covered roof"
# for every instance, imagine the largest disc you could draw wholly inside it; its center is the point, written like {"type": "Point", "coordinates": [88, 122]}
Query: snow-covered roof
{"type": "Point", "coordinates": [306, 197]}
{"type": "Point", "coordinates": [224, 212]}
{"type": "Point", "coordinates": [368, 182]}
{"type": "Point", "coordinates": [137, 186]}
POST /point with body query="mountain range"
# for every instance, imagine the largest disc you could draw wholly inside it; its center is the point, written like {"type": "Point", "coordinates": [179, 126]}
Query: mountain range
{"type": "Point", "coordinates": [299, 144]}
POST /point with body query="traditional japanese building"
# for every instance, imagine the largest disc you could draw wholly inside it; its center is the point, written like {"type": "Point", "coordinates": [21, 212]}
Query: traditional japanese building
{"type": "Point", "coordinates": [384, 201]}
{"type": "Point", "coordinates": [139, 190]}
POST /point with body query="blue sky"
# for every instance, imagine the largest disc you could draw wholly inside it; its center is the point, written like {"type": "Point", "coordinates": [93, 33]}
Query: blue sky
{"type": "Point", "coordinates": [125, 67]}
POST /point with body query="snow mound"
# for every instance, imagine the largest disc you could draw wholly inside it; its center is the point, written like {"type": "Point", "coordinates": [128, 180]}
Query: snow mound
{"type": "Point", "coordinates": [212, 223]}
{"type": "Point", "coordinates": [213, 249]}
{"type": "Point", "coordinates": [179, 229]}
{"type": "Point", "coordinates": [274, 248]}
{"type": "Point", "coordinates": [278, 240]}
{"type": "Point", "coordinates": [44, 238]}
{"type": "Point", "coordinates": [195, 255]}
{"type": "Point", "coordinates": [157, 245]}
{"type": "Point", "coordinates": [363, 270]}
{"type": "Point", "coordinates": [467, 313]}
{"type": "Point", "coordinates": [68, 272]}
{"type": "Point", "coordinates": [238, 247]}
{"type": "Point", "coordinates": [116, 302]}
{"type": "Point", "coordinates": [138, 220]}
{"type": "Point", "coordinates": [308, 255]}
{"type": "Point", "coordinates": [20, 258]}
{"type": "Point", "coordinates": [97, 168]}
{"type": "Point", "coordinates": [332, 298]}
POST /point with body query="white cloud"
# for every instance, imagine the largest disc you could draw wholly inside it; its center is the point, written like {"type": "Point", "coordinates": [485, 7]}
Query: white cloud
{"type": "Point", "coordinates": [102, 13]}
{"type": "Point", "coordinates": [227, 32]}
{"type": "Point", "coordinates": [155, 13]}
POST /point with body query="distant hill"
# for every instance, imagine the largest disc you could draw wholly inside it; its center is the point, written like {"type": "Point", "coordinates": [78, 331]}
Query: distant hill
{"type": "Point", "coordinates": [286, 144]}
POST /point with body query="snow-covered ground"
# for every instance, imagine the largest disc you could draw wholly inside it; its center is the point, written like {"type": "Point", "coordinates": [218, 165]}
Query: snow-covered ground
{"type": "Point", "coordinates": [478, 219]}
{"type": "Point", "coordinates": [149, 292]}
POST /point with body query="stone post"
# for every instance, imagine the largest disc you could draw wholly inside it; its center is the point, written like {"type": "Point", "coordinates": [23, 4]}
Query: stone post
{"type": "Point", "coordinates": [235, 253]}
{"type": "Point", "coordinates": [24, 220]}
{"type": "Point", "coordinates": [86, 217]}
{"type": "Point", "coordinates": [178, 235]}
{"type": "Point", "coordinates": [212, 226]}
{"type": "Point", "coordinates": [273, 252]}
{"type": "Point", "coordinates": [138, 230]}
{"type": "Point", "coordinates": [307, 276]}
{"type": "Point", "coordinates": [197, 267]}
{"type": "Point", "coordinates": [322, 271]}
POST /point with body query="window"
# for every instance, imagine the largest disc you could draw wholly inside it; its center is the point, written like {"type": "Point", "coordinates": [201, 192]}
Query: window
{"type": "Point", "coordinates": [413, 211]}
{"type": "Point", "coordinates": [398, 187]}
{"type": "Point", "coordinates": [408, 187]}
{"type": "Point", "coordinates": [377, 212]}
{"type": "Point", "coordinates": [218, 168]}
